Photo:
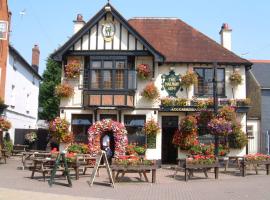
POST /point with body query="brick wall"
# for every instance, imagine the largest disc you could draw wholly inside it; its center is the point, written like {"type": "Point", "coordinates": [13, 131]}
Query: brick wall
{"type": "Point", "coordinates": [4, 15]}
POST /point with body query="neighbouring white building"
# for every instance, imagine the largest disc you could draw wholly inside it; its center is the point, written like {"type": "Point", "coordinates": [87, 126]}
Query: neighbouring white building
{"type": "Point", "coordinates": [22, 90]}
{"type": "Point", "coordinates": [109, 48]}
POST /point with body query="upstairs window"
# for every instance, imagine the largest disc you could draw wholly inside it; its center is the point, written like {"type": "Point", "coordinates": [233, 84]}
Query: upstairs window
{"type": "Point", "coordinates": [111, 73]}
{"type": "Point", "coordinates": [204, 87]}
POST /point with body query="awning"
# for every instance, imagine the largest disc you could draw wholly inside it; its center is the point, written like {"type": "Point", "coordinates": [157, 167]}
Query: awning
{"type": "Point", "coordinates": [84, 122]}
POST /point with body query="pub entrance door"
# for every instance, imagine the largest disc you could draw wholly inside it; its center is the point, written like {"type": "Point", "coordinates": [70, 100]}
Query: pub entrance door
{"type": "Point", "coordinates": [169, 151]}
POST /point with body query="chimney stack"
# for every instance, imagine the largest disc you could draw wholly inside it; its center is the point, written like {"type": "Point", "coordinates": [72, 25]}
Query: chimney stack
{"type": "Point", "coordinates": [78, 23]}
{"type": "Point", "coordinates": [226, 36]}
{"type": "Point", "coordinates": [35, 57]}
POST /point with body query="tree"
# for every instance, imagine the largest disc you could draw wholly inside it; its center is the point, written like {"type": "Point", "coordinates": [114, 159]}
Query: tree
{"type": "Point", "coordinates": [47, 99]}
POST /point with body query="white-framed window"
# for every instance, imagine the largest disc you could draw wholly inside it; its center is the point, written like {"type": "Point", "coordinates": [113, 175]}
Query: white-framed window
{"type": "Point", "coordinates": [3, 30]}
{"type": "Point", "coordinates": [13, 97]}
{"type": "Point", "coordinates": [27, 106]}
{"type": "Point", "coordinates": [250, 131]}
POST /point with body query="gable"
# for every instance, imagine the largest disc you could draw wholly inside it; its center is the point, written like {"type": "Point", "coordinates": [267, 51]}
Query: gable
{"type": "Point", "coordinates": [90, 37]}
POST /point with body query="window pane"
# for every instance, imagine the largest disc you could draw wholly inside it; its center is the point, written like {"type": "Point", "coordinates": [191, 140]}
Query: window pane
{"type": "Point", "coordinates": [132, 84]}
{"type": "Point", "coordinates": [96, 64]}
{"type": "Point", "coordinates": [134, 125]}
{"type": "Point", "coordinates": [95, 79]}
{"type": "Point", "coordinates": [208, 78]}
{"type": "Point", "coordinates": [220, 75]}
{"type": "Point", "coordinates": [119, 64]}
{"type": "Point", "coordinates": [107, 79]}
{"type": "Point", "coordinates": [221, 88]}
{"type": "Point", "coordinates": [108, 64]}
{"type": "Point", "coordinates": [200, 84]}
{"type": "Point", "coordinates": [119, 79]}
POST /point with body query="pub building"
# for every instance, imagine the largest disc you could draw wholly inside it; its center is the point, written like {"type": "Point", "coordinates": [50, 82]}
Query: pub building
{"type": "Point", "coordinates": [108, 48]}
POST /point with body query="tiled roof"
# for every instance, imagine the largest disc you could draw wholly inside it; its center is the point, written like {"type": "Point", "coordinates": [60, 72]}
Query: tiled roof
{"type": "Point", "coordinates": [179, 42]}
{"type": "Point", "coordinates": [261, 71]}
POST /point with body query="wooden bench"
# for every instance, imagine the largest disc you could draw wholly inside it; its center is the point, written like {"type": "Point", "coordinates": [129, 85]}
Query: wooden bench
{"type": "Point", "coordinates": [85, 161]}
{"type": "Point", "coordinates": [18, 149]}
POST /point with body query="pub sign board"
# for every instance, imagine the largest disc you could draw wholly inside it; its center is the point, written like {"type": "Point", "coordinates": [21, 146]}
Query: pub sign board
{"type": "Point", "coordinates": [171, 83]}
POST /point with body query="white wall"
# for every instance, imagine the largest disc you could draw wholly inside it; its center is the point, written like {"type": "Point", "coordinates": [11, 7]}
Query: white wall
{"type": "Point", "coordinates": [22, 110]}
{"type": "Point", "coordinates": [253, 144]}
{"type": "Point", "coordinates": [109, 45]}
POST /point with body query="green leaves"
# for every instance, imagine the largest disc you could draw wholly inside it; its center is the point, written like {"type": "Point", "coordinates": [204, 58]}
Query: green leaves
{"type": "Point", "coordinates": [47, 99]}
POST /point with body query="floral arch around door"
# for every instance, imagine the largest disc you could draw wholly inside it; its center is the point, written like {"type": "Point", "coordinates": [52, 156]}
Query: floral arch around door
{"type": "Point", "coordinates": [119, 133]}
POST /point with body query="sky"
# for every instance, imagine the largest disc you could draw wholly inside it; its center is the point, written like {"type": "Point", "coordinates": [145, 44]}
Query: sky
{"type": "Point", "coordinates": [49, 23]}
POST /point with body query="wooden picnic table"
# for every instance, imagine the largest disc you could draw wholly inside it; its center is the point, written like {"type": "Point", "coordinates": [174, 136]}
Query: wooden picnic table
{"type": "Point", "coordinates": [18, 148]}
{"type": "Point", "coordinates": [140, 169]}
{"type": "Point", "coordinates": [45, 166]}
{"type": "Point", "coordinates": [236, 159]}
{"type": "Point", "coordinates": [27, 157]}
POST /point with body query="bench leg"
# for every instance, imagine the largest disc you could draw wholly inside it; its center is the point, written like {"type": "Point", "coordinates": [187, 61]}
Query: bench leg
{"type": "Point", "coordinates": [154, 175]}
{"type": "Point", "coordinates": [144, 174]}
{"type": "Point", "coordinates": [205, 173]}
{"type": "Point", "coordinates": [186, 174]}
{"type": "Point", "coordinates": [216, 172]}
{"type": "Point", "coordinates": [267, 169]}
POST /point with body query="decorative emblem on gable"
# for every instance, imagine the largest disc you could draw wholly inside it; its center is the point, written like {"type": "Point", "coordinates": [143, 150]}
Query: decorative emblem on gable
{"type": "Point", "coordinates": [108, 31]}
{"type": "Point", "coordinates": [171, 83]}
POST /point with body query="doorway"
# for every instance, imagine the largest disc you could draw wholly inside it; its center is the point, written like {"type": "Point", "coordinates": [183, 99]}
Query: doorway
{"type": "Point", "coordinates": [169, 151]}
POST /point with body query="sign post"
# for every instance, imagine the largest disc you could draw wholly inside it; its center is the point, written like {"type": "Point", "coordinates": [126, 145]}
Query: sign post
{"type": "Point", "coordinates": [61, 158]}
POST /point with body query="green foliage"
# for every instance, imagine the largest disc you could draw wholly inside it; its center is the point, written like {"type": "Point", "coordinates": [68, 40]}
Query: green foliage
{"type": "Point", "coordinates": [238, 139]}
{"type": "Point", "coordinates": [8, 145]}
{"type": "Point", "coordinates": [151, 141]}
{"type": "Point", "coordinates": [78, 148]}
{"type": "Point", "coordinates": [47, 99]}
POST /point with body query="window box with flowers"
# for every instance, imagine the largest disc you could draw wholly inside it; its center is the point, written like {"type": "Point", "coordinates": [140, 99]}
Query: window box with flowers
{"type": "Point", "coordinates": [150, 92]}
{"type": "Point", "coordinates": [151, 128]}
{"type": "Point", "coordinates": [143, 71]}
{"type": "Point", "coordinates": [64, 90]}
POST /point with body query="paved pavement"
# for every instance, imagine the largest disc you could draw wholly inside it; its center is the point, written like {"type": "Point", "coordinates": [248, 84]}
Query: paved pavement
{"type": "Point", "coordinates": [16, 184]}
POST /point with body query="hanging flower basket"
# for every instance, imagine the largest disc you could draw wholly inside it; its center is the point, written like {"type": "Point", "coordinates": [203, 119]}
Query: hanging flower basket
{"type": "Point", "coordinates": [119, 134]}
{"type": "Point", "coordinates": [150, 91]}
{"type": "Point", "coordinates": [72, 70]}
{"type": "Point", "coordinates": [190, 78]}
{"type": "Point", "coordinates": [235, 78]}
{"type": "Point", "coordinates": [64, 90]}
{"type": "Point", "coordinates": [5, 125]}
{"type": "Point", "coordinates": [30, 137]}
{"type": "Point", "coordinates": [59, 129]}
{"type": "Point", "coordinates": [143, 71]}
{"type": "Point", "coordinates": [220, 127]}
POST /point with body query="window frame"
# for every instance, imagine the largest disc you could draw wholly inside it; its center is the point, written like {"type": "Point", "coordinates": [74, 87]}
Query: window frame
{"type": "Point", "coordinates": [113, 71]}
{"type": "Point", "coordinates": [223, 95]}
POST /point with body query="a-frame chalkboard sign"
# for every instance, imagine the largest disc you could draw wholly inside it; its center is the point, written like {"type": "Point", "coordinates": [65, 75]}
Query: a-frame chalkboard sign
{"type": "Point", "coordinates": [101, 155]}
{"type": "Point", "coordinates": [61, 158]}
